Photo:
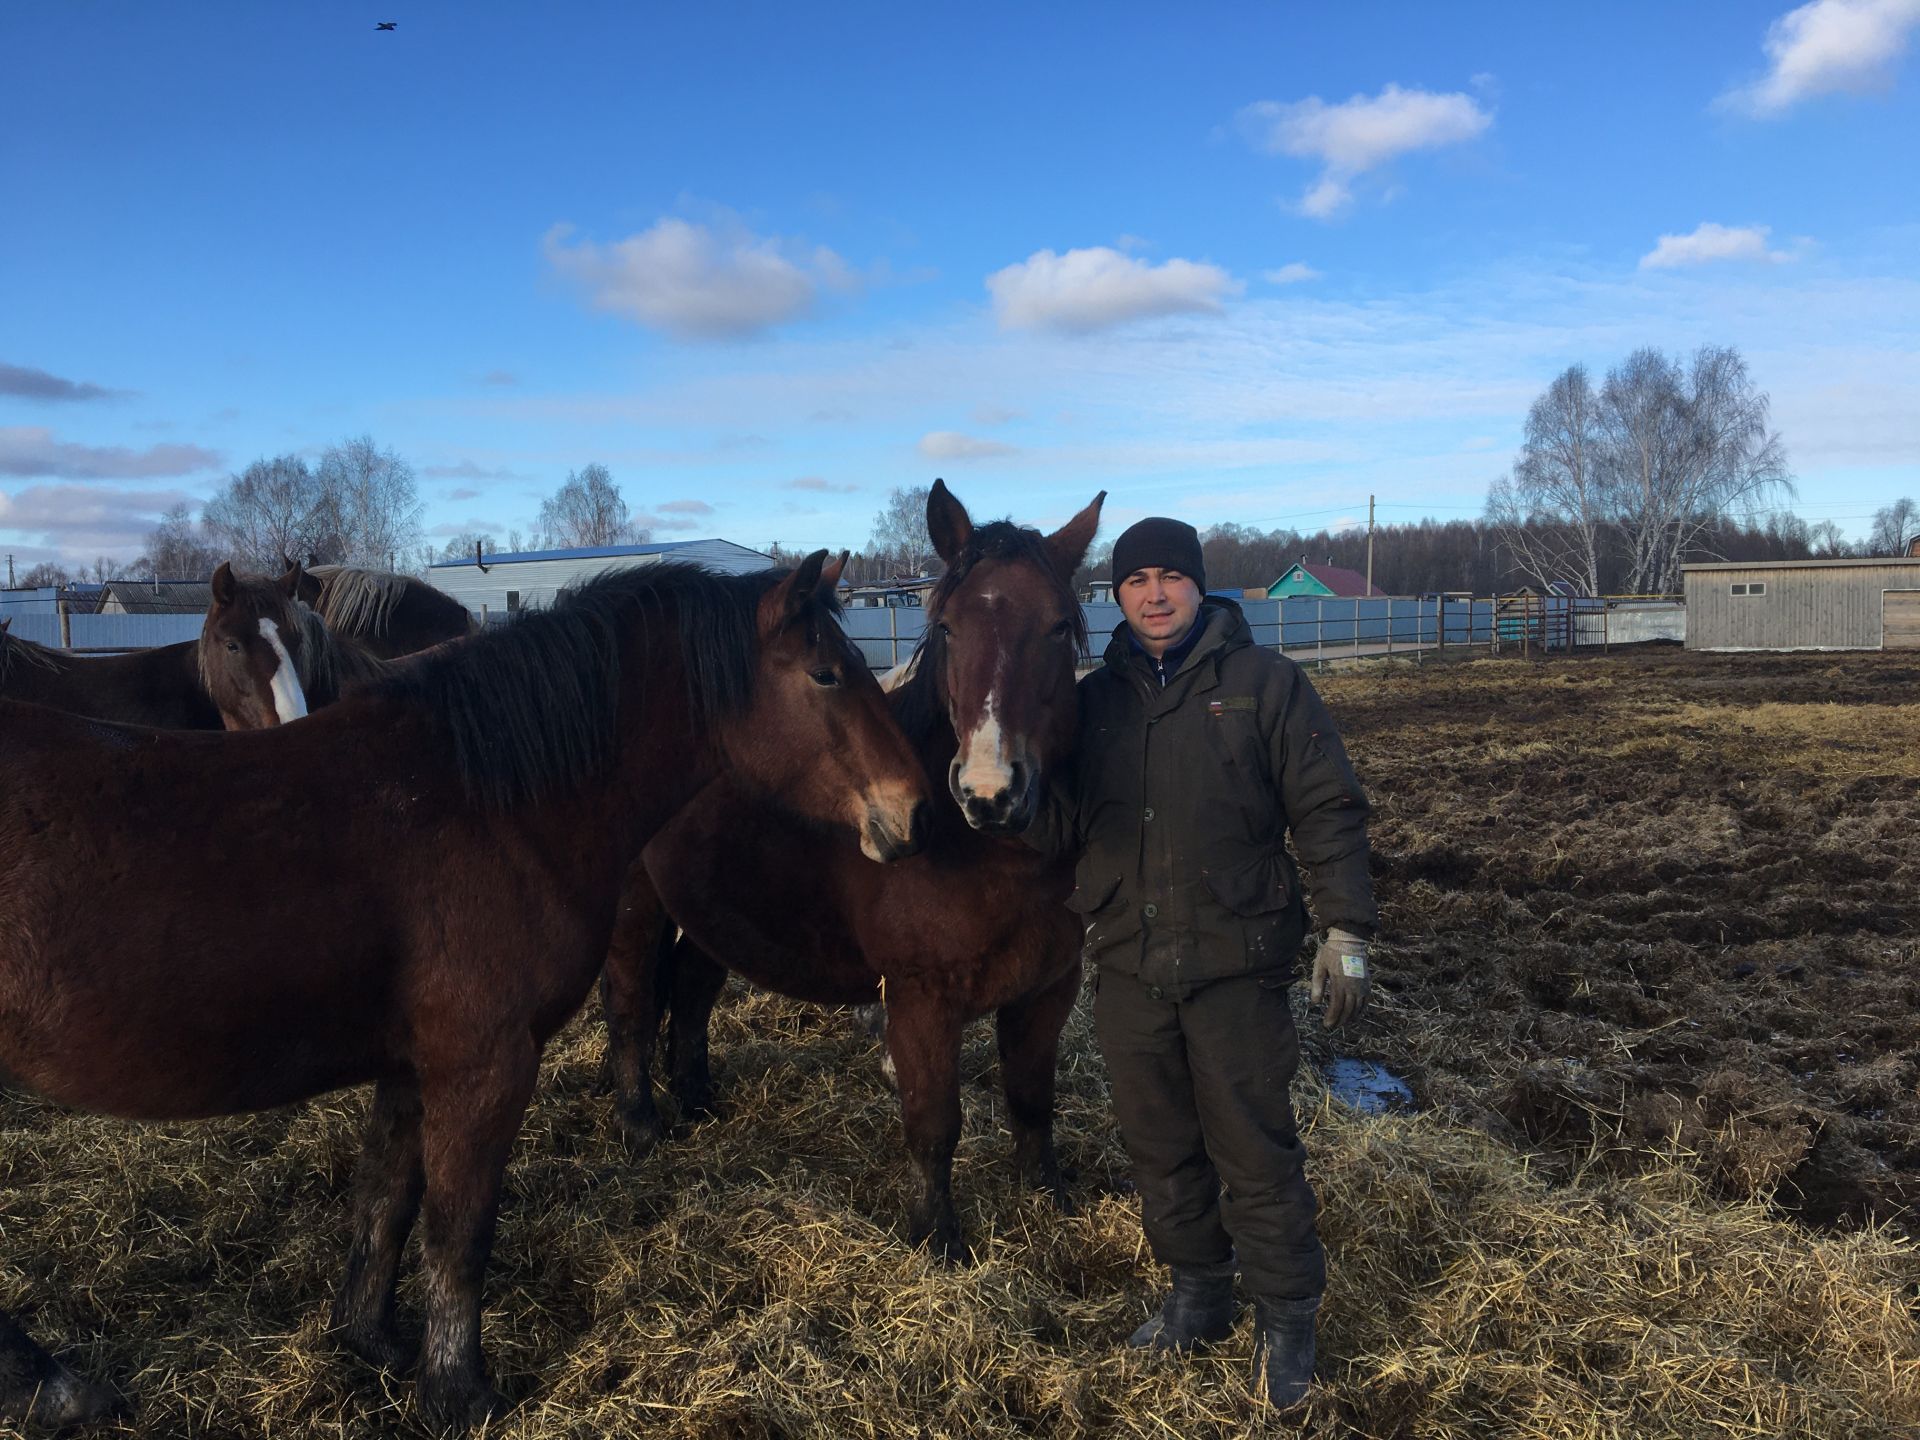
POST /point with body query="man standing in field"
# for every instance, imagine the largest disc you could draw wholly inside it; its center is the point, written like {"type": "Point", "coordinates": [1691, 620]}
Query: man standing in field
{"type": "Point", "coordinates": [1199, 752]}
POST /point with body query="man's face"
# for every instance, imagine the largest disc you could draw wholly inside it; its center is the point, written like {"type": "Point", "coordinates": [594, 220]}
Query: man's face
{"type": "Point", "coordinates": [1160, 606]}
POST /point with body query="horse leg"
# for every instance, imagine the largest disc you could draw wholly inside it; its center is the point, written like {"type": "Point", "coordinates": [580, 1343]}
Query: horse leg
{"type": "Point", "coordinates": [697, 981]}
{"type": "Point", "coordinates": [469, 1117]}
{"type": "Point", "coordinates": [923, 1037]}
{"type": "Point", "coordinates": [36, 1389]}
{"type": "Point", "coordinates": [1029, 1034]}
{"type": "Point", "coordinates": [386, 1197]}
{"type": "Point", "coordinates": [634, 984]}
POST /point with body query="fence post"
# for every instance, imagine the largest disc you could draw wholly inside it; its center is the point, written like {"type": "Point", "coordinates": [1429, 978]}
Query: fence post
{"type": "Point", "coordinates": [1389, 625]}
{"type": "Point", "coordinates": [893, 637]}
{"type": "Point", "coordinates": [1319, 627]}
{"type": "Point", "coordinates": [66, 625]}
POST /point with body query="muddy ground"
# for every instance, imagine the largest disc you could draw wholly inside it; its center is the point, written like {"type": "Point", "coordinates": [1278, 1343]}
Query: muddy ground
{"type": "Point", "coordinates": [1657, 902]}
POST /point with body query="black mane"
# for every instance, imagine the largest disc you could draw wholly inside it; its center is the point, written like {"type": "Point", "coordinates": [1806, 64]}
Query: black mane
{"type": "Point", "coordinates": [530, 707]}
{"type": "Point", "coordinates": [28, 653]}
{"type": "Point", "coordinates": [922, 702]}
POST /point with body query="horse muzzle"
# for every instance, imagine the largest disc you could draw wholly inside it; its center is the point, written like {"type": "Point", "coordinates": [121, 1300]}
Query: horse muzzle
{"type": "Point", "coordinates": [1008, 809]}
{"type": "Point", "coordinates": [881, 838]}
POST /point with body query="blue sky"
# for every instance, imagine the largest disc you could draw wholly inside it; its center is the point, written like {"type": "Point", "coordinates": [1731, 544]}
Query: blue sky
{"type": "Point", "coordinates": [1236, 262]}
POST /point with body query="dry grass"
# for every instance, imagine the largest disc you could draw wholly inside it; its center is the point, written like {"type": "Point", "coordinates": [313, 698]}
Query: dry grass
{"type": "Point", "coordinates": [748, 1280]}
{"type": "Point", "coordinates": [1579, 1241]}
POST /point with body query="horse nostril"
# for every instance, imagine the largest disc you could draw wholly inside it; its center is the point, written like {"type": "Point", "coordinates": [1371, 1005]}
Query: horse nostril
{"type": "Point", "coordinates": [1017, 780]}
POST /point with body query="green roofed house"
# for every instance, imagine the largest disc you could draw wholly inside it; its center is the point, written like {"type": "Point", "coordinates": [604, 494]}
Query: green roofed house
{"type": "Point", "coordinates": [1320, 582]}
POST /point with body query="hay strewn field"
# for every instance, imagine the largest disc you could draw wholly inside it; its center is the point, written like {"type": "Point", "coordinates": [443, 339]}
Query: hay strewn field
{"type": "Point", "coordinates": [1653, 960]}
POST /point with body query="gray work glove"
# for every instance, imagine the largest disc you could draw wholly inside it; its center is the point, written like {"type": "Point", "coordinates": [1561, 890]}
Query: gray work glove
{"type": "Point", "coordinates": [1341, 976]}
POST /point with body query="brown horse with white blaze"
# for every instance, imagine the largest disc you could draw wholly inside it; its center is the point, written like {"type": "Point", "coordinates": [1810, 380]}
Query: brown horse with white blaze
{"type": "Point", "coordinates": [414, 887]}
{"type": "Point", "coordinates": [252, 666]}
{"type": "Point", "coordinates": [974, 925]}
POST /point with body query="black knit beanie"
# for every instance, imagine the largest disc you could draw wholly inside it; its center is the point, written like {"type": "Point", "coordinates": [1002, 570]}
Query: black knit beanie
{"type": "Point", "coordinates": [1162, 544]}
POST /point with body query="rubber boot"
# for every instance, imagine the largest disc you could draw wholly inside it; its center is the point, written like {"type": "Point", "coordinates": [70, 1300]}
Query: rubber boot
{"type": "Point", "coordinates": [1198, 1309]}
{"type": "Point", "coordinates": [1283, 1349]}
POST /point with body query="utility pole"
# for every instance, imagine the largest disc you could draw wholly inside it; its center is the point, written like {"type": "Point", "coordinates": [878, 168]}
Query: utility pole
{"type": "Point", "coordinates": [10, 584]}
{"type": "Point", "coordinates": [1369, 544]}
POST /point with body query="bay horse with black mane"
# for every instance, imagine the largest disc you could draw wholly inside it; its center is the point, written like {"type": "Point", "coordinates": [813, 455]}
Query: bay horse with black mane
{"type": "Point", "coordinates": [391, 615]}
{"type": "Point", "coordinates": [415, 887]}
{"type": "Point", "coordinates": [253, 665]}
{"type": "Point", "coordinates": [975, 924]}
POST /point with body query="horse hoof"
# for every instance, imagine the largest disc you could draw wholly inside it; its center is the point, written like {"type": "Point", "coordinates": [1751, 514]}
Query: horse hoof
{"type": "Point", "coordinates": [454, 1405]}
{"type": "Point", "coordinates": [64, 1398]}
{"type": "Point", "coordinates": [697, 1105]}
{"type": "Point", "coordinates": [642, 1134]}
{"type": "Point", "coordinates": [380, 1346]}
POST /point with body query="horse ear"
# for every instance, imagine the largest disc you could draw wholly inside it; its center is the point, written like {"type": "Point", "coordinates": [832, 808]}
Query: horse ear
{"type": "Point", "coordinates": [6, 623]}
{"type": "Point", "coordinates": [224, 586]}
{"type": "Point", "coordinates": [948, 524]}
{"type": "Point", "coordinates": [830, 576]}
{"type": "Point", "coordinates": [290, 582]}
{"type": "Point", "coordinates": [1068, 545]}
{"type": "Point", "coordinates": [792, 595]}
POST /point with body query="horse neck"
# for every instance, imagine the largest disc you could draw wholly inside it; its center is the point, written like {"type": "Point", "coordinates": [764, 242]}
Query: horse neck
{"type": "Point", "coordinates": [159, 687]}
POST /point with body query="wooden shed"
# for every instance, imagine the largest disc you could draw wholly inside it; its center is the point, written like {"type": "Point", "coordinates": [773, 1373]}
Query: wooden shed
{"type": "Point", "coordinates": [1871, 604]}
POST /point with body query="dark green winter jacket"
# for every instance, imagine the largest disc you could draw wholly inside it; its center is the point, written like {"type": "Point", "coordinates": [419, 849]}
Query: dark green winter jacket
{"type": "Point", "coordinates": [1180, 801]}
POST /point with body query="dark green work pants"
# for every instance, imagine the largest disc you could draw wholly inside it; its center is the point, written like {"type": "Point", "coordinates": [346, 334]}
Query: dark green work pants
{"type": "Point", "coordinates": [1200, 1088]}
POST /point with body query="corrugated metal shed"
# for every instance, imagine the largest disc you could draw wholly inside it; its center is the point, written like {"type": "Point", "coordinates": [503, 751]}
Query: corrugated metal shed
{"type": "Point", "coordinates": [1804, 605]}
{"type": "Point", "coordinates": [532, 577]}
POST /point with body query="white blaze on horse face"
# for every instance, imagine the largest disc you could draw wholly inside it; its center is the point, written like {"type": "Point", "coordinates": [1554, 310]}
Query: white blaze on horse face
{"type": "Point", "coordinates": [289, 700]}
{"type": "Point", "coordinates": [986, 765]}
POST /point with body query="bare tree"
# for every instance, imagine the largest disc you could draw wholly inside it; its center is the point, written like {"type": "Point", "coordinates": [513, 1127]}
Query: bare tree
{"type": "Point", "coordinates": [1826, 540]}
{"type": "Point", "coordinates": [588, 510]}
{"type": "Point", "coordinates": [43, 575]}
{"type": "Point", "coordinates": [1685, 451]}
{"type": "Point", "coordinates": [1552, 510]}
{"type": "Point", "coordinates": [370, 506]}
{"type": "Point", "coordinates": [178, 549]}
{"type": "Point", "coordinates": [272, 509]}
{"type": "Point", "coordinates": [1894, 527]}
{"type": "Point", "coordinates": [899, 540]}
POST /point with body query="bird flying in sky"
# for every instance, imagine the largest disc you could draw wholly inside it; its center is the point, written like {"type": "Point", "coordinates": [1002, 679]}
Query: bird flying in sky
{"type": "Point", "coordinates": [385, 24]}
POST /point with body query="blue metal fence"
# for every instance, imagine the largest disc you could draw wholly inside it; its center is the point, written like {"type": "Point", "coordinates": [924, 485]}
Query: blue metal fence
{"type": "Point", "coordinates": [1325, 628]}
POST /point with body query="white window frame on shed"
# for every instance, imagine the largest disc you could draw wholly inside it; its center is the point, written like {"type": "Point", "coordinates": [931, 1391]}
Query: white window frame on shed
{"type": "Point", "coordinates": [1748, 588]}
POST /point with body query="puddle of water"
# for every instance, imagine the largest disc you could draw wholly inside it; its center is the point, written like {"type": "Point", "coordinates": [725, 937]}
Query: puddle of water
{"type": "Point", "coordinates": [1367, 1086]}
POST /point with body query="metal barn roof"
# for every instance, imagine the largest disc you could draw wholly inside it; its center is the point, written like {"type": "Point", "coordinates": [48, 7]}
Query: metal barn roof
{"type": "Point", "coordinates": [1848, 564]}
{"type": "Point", "coordinates": [596, 552]}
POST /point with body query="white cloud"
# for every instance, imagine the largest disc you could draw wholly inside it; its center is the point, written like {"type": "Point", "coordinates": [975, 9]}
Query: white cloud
{"type": "Point", "coordinates": [952, 445]}
{"type": "Point", "coordinates": [1826, 46]}
{"type": "Point", "coordinates": [698, 282]}
{"type": "Point", "coordinates": [1096, 288]}
{"type": "Point", "coordinates": [1710, 243]}
{"type": "Point", "coordinates": [820, 484]}
{"type": "Point", "coordinates": [663, 520]}
{"type": "Point", "coordinates": [686, 507]}
{"type": "Point", "coordinates": [31, 451]}
{"type": "Point", "coordinates": [85, 520]}
{"type": "Point", "coordinates": [1359, 134]}
{"type": "Point", "coordinates": [1292, 274]}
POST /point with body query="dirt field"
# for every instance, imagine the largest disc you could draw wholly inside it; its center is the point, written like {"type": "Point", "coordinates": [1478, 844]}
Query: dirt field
{"type": "Point", "coordinates": [1667, 902]}
{"type": "Point", "coordinates": [1651, 961]}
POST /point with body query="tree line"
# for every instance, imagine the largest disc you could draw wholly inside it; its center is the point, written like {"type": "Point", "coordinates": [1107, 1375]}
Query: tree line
{"type": "Point", "coordinates": [1615, 487]}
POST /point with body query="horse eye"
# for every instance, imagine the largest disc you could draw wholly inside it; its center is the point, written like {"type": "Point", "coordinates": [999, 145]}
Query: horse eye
{"type": "Point", "coordinates": [1060, 631]}
{"type": "Point", "coordinates": [946, 630]}
{"type": "Point", "coordinates": [233, 647]}
{"type": "Point", "coordinates": [824, 677]}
